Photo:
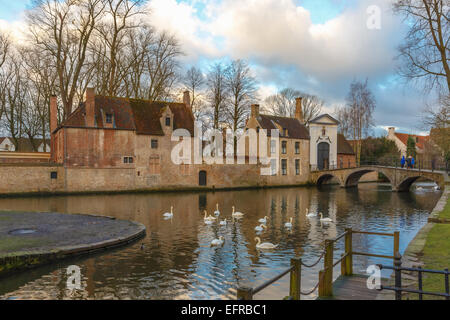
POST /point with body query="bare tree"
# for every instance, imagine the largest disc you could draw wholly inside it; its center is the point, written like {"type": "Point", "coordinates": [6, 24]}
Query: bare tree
{"type": "Point", "coordinates": [342, 114]}
{"type": "Point", "coordinates": [360, 107]}
{"type": "Point", "coordinates": [120, 16]}
{"type": "Point", "coordinates": [194, 81]}
{"type": "Point", "coordinates": [4, 50]}
{"type": "Point", "coordinates": [426, 51]}
{"type": "Point", "coordinates": [437, 118]}
{"type": "Point", "coordinates": [241, 85]}
{"type": "Point", "coordinates": [217, 93]}
{"type": "Point", "coordinates": [283, 104]}
{"type": "Point", "coordinates": [63, 31]}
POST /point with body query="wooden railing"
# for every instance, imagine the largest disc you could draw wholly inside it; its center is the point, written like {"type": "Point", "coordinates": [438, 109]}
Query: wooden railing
{"type": "Point", "coordinates": [325, 283]}
{"type": "Point", "coordinates": [346, 259]}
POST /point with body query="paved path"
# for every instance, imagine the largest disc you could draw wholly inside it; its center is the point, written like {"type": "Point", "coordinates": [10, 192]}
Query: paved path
{"type": "Point", "coordinates": [30, 239]}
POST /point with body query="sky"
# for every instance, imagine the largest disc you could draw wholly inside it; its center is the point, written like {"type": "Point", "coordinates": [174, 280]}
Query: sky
{"type": "Point", "coordinates": [315, 46]}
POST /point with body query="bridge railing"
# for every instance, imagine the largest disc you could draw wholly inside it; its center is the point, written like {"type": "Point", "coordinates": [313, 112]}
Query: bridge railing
{"type": "Point", "coordinates": [398, 289]}
{"type": "Point", "coordinates": [325, 277]}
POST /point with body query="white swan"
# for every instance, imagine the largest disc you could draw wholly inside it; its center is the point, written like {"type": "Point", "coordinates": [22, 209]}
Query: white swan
{"type": "Point", "coordinates": [169, 214]}
{"type": "Point", "coordinates": [217, 212]}
{"type": "Point", "coordinates": [310, 214]}
{"type": "Point", "coordinates": [261, 227]}
{"type": "Point", "coordinates": [208, 222]}
{"type": "Point", "coordinates": [236, 214]}
{"type": "Point", "coordinates": [288, 224]}
{"type": "Point", "coordinates": [324, 219]}
{"type": "Point", "coordinates": [223, 222]}
{"type": "Point", "coordinates": [265, 245]}
{"type": "Point", "coordinates": [208, 218]}
{"type": "Point", "coordinates": [263, 220]}
{"type": "Point", "coordinates": [217, 242]}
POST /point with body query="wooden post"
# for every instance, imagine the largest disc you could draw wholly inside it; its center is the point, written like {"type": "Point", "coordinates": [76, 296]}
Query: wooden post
{"type": "Point", "coordinates": [398, 275]}
{"type": "Point", "coordinates": [245, 293]}
{"type": "Point", "coordinates": [296, 278]}
{"type": "Point", "coordinates": [321, 284]}
{"type": "Point", "coordinates": [348, 251]}
{"type": "Point", "coordinates": [396, 243]}
{"type": "Point", "coordinates": [328, 268]}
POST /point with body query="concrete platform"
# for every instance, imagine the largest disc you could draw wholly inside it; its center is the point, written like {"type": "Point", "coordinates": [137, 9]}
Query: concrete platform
{"type": "Point", "coordinates": [32, 239]}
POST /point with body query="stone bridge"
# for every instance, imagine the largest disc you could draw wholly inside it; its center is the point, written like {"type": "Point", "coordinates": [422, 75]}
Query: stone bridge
{"type": "Point", "coordinates": [400, 179]}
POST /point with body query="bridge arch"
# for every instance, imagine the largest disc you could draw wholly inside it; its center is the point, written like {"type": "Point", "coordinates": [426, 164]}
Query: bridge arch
{"type": "Point", "coordinates": [327, 177]}
{"type": "Point", "coordinates": [406, 183]}
{"type": "Point", "coordinates": [352, 179]}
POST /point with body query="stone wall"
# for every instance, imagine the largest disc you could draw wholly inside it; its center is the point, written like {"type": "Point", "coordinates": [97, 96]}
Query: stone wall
{"type": "Point", "coordinates": [22, 178]}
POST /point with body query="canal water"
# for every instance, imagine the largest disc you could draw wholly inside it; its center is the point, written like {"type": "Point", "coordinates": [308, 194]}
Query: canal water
{"type": "Point", "coordinates": [177, 261]}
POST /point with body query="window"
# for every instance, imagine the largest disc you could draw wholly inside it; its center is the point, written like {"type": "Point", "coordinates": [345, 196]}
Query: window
{"type": "Point", "coordinates": [154, 144]}
{"type": "Point", "coordinates": [257, 129]}
{"type": "Point", "coordinates": [285, 132]}
{"type": "Point", "coordinates": [283, 147]}
{"type": "Point", "coordinates": [109, 118]}
{"type": "Point", "coordinates": [273, 166]}
{"type": "Point", "coordinates": [297, 166]}
{"type": "Point", "coordinates": [297, 147]}
{"type": "Point", "coordinates": [6, 147]}
{"type": "Point", "coordinates": [324, 131]}
{"type": "Point", "coordinates": [167, 121]}
{"type": "Point", "coordinates": [154, 165]}
{"type": "Point", "coordinates": [53, 175]}
{"type": "Point", "coordinates": [284, 167]}
{"type": "Point", "coordinates": [127, 159]}
{"type": "Point", "coordinates": [273, 146]}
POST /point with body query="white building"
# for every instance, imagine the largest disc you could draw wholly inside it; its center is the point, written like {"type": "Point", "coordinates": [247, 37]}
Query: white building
{"type": "Point", "coordinates": [6, 144]}
{"type": "Point", "coordinates": [323, 142]}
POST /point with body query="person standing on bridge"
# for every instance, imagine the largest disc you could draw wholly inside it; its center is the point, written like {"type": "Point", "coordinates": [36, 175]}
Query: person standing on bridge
{"type": "Point", "coordinates": [412, 162]}
{"type": "Point", "coordinates": [402, 161]}
{"type": "Point", "coordinates": [408, 162]}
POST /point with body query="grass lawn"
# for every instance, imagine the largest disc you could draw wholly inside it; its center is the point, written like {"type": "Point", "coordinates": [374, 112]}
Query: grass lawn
{"type": "Point", "coordinates": [446, 212]}
{"type": "Point", "coordinates": [436, 254]}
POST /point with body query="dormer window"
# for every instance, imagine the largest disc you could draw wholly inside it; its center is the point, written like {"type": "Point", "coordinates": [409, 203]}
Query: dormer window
{"type": "Point", "coordinates": [285, 132]}
{"type": "Point", "coordinates": [257, 129]}
{"type": "Point", "coordinates": [109, 117]}
{"type": "Point", "coordinates": [167, 121]}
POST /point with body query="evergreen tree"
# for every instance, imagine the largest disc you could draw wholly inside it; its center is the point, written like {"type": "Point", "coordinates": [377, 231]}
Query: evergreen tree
{"type": "Point", "coordinates": [411, 147]}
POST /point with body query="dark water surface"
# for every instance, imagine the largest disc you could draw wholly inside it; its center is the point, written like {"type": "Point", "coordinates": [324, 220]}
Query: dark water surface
{"type": "Point", "coordinates": [177, 261]}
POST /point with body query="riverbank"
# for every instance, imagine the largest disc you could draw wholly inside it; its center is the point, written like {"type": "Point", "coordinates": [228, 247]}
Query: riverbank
{"type": "Point", "coordinates": [430, 249]}
{"type": "Point", "coordinates": [31, 239]}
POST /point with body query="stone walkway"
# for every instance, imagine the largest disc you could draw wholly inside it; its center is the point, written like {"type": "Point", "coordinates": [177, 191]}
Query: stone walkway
{"type": "Point", "coordinates": [30, 239]}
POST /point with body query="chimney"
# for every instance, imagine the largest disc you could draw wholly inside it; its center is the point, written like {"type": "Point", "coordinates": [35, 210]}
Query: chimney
{"type": "Point", "coordinates": [53, 124]}
{"type": "Point", "coordinates": [187, 99]}
{"type": "Point", "coordinates": [90, 107]}
{"type": "Point", "coordinates": [298, 109]}
{"type": "Point", "coordinates": [53, 113]}
{"type": "Point", "coordinates": [254, 111]}
{"type": "Point", "coordinates": [391, 131]}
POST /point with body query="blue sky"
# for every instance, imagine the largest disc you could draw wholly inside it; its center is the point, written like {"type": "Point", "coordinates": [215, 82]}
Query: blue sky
{"type": "Point", "coordinates": [316, 46]}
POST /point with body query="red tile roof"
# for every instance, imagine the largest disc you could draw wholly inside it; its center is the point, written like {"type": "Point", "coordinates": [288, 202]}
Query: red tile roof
{"type": "Point", "coordinates": [142, 116]}
{"type": "Point", "coordinates": [420, 142]}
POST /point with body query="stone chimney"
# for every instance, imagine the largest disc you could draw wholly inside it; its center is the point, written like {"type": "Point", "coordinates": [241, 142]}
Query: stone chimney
{"type": "Point", "coordinates": [53, 113]}
{"type": "Point", "coordinates": [90, 107]}
{"type": "Point", "coordinates": [187, 99]}
{"type": "Point", "coordinates": [53, 124]}
{"type": "Point", "coordinates": [298, 109]}
{"type": "Point", "coordinates": [254, 111]}
{"type": "Point", "coordinates": [391, 131]}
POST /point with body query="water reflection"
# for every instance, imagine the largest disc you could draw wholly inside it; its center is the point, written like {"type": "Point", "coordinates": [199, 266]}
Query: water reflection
{"type": "Point", "coordinates": [177, 261]}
